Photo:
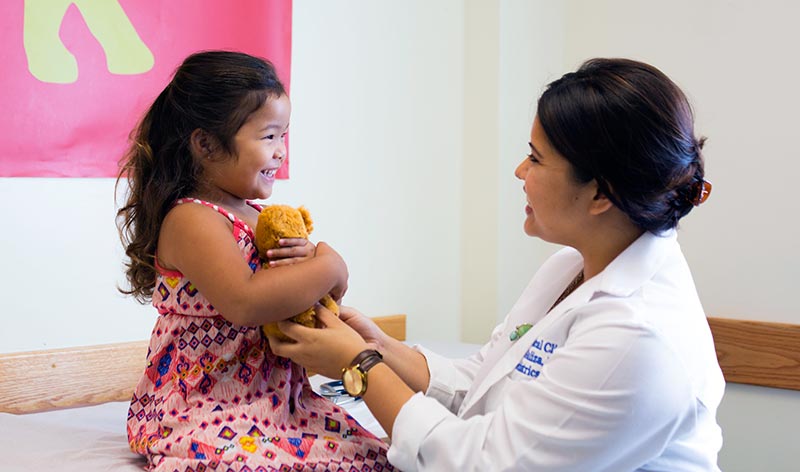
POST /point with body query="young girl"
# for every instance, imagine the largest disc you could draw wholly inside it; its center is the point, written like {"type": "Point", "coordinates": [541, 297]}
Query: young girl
{"type": "Point", "coordinates": [213, 394]}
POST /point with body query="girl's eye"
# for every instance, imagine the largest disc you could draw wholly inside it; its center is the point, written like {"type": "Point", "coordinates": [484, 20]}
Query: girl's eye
{"type": "Point", "coordinates": [533, 158]}
{"type": "Point", "coordinates": [269, 136]}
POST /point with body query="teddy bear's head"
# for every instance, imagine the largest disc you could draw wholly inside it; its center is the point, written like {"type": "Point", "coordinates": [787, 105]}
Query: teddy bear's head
{"type": "Point", "coordinates": [281, 221]}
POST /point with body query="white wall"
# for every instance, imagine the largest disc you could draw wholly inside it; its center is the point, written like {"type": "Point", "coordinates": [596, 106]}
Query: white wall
{"type": "Point", "coordinates": [419, 195]}
{"type": "Point", "coordinates": [376, 143]}
{"type": "Point", "coordinates": [508, 62]}
{"type": "Point", "coordinates": [531, 55]}
{"type": "Point", "coordinates": [61, 262]}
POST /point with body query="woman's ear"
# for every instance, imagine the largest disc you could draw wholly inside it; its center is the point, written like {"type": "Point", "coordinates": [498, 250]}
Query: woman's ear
{"type": "Point", "coordinates": [600, 202]}
{"type": "Point", "coordinates": [202, 144]}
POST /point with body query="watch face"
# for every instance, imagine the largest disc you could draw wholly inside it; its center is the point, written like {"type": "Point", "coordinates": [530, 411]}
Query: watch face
{"type": "Point", "coordinates": [353, 381]}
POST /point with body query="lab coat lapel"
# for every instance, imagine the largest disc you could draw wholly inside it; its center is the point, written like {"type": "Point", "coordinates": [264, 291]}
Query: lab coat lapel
{"type": "Point", "coordinates": [504, 356]}
{"type": "Point", "coordinates": [523, 312]}
{"type": "Point", "coordinates": [623, 276]}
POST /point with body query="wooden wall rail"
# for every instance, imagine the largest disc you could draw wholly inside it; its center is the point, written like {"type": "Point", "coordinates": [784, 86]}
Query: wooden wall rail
{"type": "Point", "coordinates": [62, 378]}
{"type": "Point", "coordinates": [750, 352]}
{"type": "Point", "coordinates": [81, 376]}
{"type": "Point", "coordinates": [758, 352]}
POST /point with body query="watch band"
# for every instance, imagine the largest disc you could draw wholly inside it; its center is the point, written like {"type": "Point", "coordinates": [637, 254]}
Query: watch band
{"type": "Point", "coordinates": [363, 356]}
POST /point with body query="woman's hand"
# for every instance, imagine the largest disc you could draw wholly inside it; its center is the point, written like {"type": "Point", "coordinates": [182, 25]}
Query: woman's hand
{"type": "Point", "coordinates": [326, 350]}
{"type": "Point", "coordinates": [333, 347]}
{"type": "Point", "coordinates": [364, 326]}
{"type": "Point", "coordinates": [292, 251]}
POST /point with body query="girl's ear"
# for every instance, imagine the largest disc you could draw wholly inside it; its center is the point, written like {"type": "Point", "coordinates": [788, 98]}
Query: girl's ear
{"type": "Point", "coordinates": [202, 144]}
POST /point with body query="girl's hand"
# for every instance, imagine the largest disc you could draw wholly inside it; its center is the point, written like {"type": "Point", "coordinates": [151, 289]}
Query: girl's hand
{"type": "Point", "coordinates": [363, 325]}
{"type": "Point", "coordinates": [292, 251]}
{"type": "Point", "coordinates": [325, 350]}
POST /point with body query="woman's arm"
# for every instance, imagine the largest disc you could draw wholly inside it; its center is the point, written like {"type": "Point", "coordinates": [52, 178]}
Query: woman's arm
{"type": "Point", "coordinates": [332, 348]}
{"type": "Point", "coordinates": [197, 242]}
{"type": "Point", "coordinates": [409, 364]}
{"type": "Point", "coordinates": [609, 400]}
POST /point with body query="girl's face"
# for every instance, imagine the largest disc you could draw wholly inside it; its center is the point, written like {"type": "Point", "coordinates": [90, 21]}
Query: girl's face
{"type": "Point", "coordinates": [557, 204]}
{"type": "Point", "coordinates": [260, 145]}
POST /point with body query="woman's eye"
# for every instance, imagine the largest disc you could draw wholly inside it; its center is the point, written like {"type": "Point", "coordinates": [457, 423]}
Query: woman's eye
{"type": "Point", "coordinates": [533, 158]}
{"type": "Point", "coordinates": [269, 136]}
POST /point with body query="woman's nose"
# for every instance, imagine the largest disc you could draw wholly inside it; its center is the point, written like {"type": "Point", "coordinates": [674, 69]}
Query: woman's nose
{"type": "Point", "coordinates": [519, 172]}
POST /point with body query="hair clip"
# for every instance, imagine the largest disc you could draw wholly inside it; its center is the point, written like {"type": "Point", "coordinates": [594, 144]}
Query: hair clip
{"type": "Point", "coordinates": [700, 192]}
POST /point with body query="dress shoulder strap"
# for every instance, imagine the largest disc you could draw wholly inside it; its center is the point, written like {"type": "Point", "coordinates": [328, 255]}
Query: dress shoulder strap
{"type": "Point", "coordinates": [234, 219]}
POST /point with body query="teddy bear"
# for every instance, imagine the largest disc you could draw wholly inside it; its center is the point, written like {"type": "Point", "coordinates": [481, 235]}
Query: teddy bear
{"type": "Point", "coordinates": [283, 221]}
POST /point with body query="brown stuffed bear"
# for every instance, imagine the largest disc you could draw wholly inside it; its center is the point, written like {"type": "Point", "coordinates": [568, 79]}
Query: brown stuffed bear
{"type": "Point", "coordinates": [282, 221]}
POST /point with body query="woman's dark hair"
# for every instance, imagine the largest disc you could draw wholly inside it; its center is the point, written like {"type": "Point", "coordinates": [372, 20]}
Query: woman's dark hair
{"type": "Point", "coordinates": [630, 128]}
{"type": "Point", "coordinates": [214, 91]}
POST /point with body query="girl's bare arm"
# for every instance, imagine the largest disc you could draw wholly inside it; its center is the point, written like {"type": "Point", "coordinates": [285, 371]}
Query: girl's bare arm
{"type": "Point", "coordinates": [197, 242]}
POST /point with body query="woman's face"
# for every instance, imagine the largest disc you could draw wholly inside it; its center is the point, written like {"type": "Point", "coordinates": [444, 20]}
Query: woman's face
{"type": "Point", "coordinates": [557, 204]}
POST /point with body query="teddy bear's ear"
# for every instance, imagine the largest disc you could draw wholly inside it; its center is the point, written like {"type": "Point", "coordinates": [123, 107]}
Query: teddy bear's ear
{"type": "Point", "coordinates": [307, 219]}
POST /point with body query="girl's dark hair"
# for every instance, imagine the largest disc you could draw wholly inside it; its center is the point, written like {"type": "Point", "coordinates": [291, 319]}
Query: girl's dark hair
{"type": "Point", "coordinates": [630, 128]}
{"type": "Point", "coordinates": [214, 91]}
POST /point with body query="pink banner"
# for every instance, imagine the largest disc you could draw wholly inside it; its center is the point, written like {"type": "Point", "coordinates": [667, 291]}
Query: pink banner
{"type": "Point", "coordinates": [78, 74]}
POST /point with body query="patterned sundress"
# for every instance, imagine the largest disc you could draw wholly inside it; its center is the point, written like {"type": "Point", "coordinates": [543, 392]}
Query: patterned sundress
{"type": "Point", "coordinates": [214, 397]}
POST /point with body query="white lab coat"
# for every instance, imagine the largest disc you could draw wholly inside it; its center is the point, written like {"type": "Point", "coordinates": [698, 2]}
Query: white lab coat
{"type": "Point", "coordinates": [620, 376]}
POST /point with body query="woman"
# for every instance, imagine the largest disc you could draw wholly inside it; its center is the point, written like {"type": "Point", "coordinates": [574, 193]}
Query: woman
{"type": "Point", "coordinates": [606, 362]}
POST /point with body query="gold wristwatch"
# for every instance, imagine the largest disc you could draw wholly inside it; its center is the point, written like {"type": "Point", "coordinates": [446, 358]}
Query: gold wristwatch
{"type": "Point", "coordinates": [354, 378]}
